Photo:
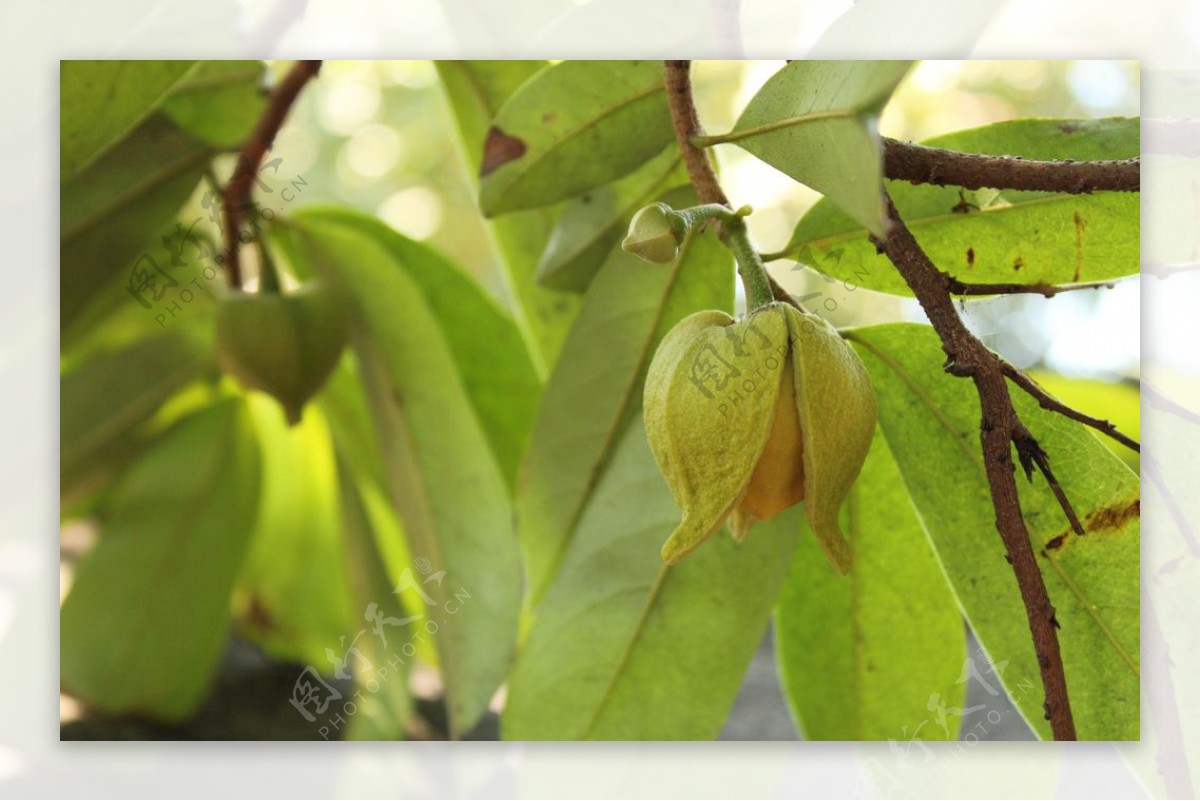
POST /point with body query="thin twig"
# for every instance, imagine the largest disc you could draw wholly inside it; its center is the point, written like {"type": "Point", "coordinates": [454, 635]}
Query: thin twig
{"type": "Point", "coordinates": [907, 161]}
{"type": "Point", "coordinates": [1050, 403]}
{"type": "Point", "coordinates": [1032, 454]}
{"type": "Point", "coordinates": [967, 357]}
{"type": "Point", "coordinates": [237, 191]}
{"type": "Point", "coordinates": [957, 287]}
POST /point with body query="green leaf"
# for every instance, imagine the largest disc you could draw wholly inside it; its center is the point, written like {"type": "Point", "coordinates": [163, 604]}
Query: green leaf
{"type": "Point", "coordinates": [382, 681]}
{"type": "Point", "coordinates": [594, 222]}
{"type": "Point", "coordinates": [574, 126]}
{"type": "Point", "coordinates": [107, 398]}
{"type": "Point", "coordinates": [931, 421]}
{"type": "Point", "coordinates": [293, 595]}
{"type": "Point", "coordinates": [990, 236]}
{"type": "Point", "coordinates": [113, 211]}
{"type": "Point", "coordinates": [628, 648]}
{"type": "Point", "coordinates": [444, 481]}
{"type": "Point", "coordinates": [146, 619]}
{"type": "Point", "coordinates": [475, 90]}
{"type": "Point", "coordinates": [101, 102]}
{"type": "Point", "coordinates": [1120, 404]}
{"type": "Point", "coordinates": [219, 102]}
{"type": "Point", "coordinates": [816, 122]}
{"type": "Point", "coordinates": [495, 366]}
{"type": "Point", "coordinates": [597, 386]}
{"type": "Point", "coordinates": [852, 667]}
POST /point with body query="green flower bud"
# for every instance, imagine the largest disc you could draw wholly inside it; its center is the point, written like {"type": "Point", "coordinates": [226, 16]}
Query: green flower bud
{"type": "Point", "coordinates": [284, 345]}
{"type": "Point", "coordinates": [655, 234]}
{"type": "Point", "coordinates": [750, 417]}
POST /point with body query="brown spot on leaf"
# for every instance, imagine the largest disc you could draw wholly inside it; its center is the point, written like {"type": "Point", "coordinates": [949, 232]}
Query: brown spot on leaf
{"type": "Point", "coordinates": [1070, 127]}
{"type": "Point", "coordinates": [970, 258]}
{"type": "Point", "coordinates": [498, 149]}
{"type": "Point", "coordinates": [549, 117]}
{"type": "Point", "coordinates": [1056, 543]}
{"type": "Point", "coordinates": [1018, 263]}
{"type": "Point", "coordinates": [1113, 517]}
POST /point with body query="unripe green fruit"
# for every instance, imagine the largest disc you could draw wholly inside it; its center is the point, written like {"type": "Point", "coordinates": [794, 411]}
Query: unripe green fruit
{"type": "Point", "coordinates": [750, 417]}
{"type": "Point", "coordinates": [655, 234]}
{"type": "Point", "coordinates": [283, 344]}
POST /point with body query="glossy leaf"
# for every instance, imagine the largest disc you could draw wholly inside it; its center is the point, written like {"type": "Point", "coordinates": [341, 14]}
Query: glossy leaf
{"type": "Point", "coordinates": [219, 102]}
{"type": "Point", "coordinates": [107, 398]}
{"type": "Point", "coordinates": [491, 357]}
{"type": "Point", "coordinates": [113, 211]}
{"type": "Point", "coordinates": [103, 101]}
{"type": "Point", "coordinates": [475, 91]}
{"type": "Point", "coordinates": [594, 222]}
{"type": "Point", "coordinates": [628, 648]}
{"type": "Point", "coordinates": [854, 668]}
{"type": "Point", "coordinates": [996, 236]}
{"type": "Point", "coordinates": [574, 126]}
{"type": "Point", "coordinates": [931, 421]}
{"type": "Point", "coordinates": [293, 594]}
{"type": "Point", "coordinates": [816, 122]}
{"type": "Point", "coordinates": [597, 386]}
{"type": "Point", "coordinates": [146, 619]}
{"type": "Point", "coordinates": [445, 483]}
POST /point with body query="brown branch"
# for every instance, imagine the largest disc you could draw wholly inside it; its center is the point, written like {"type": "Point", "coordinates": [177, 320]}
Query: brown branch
{"type": "Point", "coordinates": [967, 357]}
{"type": "Point", "coordinates": [920, 164]}
{"type": "Point", "coordinates": [237, 191]}
{"type": "Point", "coordinates": [1032, 454]}
{"type": "Point", "coordinates": [678, 80]}
{"type": "Point", "coordinates": [956, 287]}
{"type": "Point", "coordinates": [1050, 403]}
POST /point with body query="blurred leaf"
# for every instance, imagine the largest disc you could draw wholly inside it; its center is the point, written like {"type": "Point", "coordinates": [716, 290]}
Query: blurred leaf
{"type": "Point", "coordinates": [101, 102]}
{"type": "Point", "coordinates": [445, 483]}
{"type": "Point", "coordinates": [292, 596]}
{"type": "Point", "coordinates": [958, 27]}
{"type": "Point", "coordinates": [628, 648]}
{"type": "Point", "coordinates": [219, 102]}
{"type": "Point", "coordinates": [594, 222]}
{"type": "Point", "coordinates": [574, 126]}
{"type": "Point", "coordinates": [816, 122]}
{"type": "Point", "coordinates": [383, 712]}
{"type": "Point", "coordinates": [996, 236]}
{"type": "Point", "coordinates": [852, 667]}
{"type": "Point", "coordinates": [113, 211]}
{"type": "Point", "coordinates": [146, 619]}
{"type": "Point", "coordinates": [475, 90]}
{"type": "Point", "coordinates": [597, 387]}
{"type": "Point", "coordinates": [1120, 404]}
{"type": "Point", "coordinates": [108, 397]}
{"type": "Point", "coordinates": [496, 371]}
{"type": "Point", "coordinates": [931, 421]}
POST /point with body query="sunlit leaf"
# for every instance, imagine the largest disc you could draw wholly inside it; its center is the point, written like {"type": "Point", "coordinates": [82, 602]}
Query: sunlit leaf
{"type": "Point", "coordinates": [931, 421]}
{"type": "Point", "coordinates": [597, 386]}
{"type": "Point", "coordinates": [996, 236]}
{"type": "Point", "coordinates": [146, 619]}
{"type": "Point", "coordinates": [445, 483]}
{"type": "Point", "coordinates": [853, 666]}
{"type": "Point", "coordinates": [101, 102]}
{"type": "Point", "coordinates": [593, 223]}
{"type": "Point", "coordinates": [574, 126]}
{"type": "Point", "coordinates": [816, 121]}
{"type": "Point", "coordinates": [219, 102]}
{"type": "Point", "coordinates": [497, 374]}
{"type": "Point", "coordinates": [626, 647]}
{"type": "Point", "coordinates": [475, 91]}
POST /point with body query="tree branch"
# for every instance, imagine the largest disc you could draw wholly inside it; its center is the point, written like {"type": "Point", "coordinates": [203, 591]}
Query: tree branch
{"type": "Point", "coordinates": [237, 191]}
{"type": "Point", "coordinates": [678, 80]}
{"type": "Point", "coordinates": [1050, 403]}
{"type": "Point", "coordinates": [956, 287]}
{"type": "Point", "coordinates": [920, 164]}
{"type": "Point", "coordinates": [999, 431]}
